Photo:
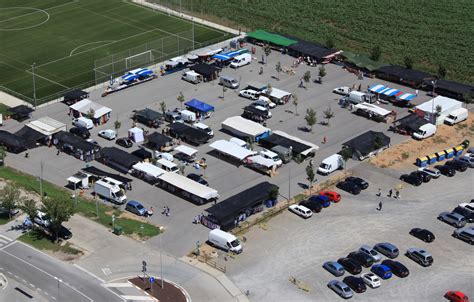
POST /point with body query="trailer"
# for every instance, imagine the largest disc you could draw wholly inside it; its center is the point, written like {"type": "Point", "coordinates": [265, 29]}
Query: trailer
{"type": "Point", "coordinates": [189, 134]}
{"type": "Point", "coordinates": [110, 190]}
{"type": "Point", "coordinates": [185, 153]}
{"type": "Point", "coordinates": [231, 150]}
{"type": "Point", "coordinates": [243, 128]}
{"type": "Point", "coordinates": [262, 164]}
{"type": "Point", "coordinates": [278, 96]}
{"type": "Point", "coordinates": [147, 172]}
{"type": "Point", "coordinates": [298, 146]}
{"type": "Point", "coordinates": [187, 188]}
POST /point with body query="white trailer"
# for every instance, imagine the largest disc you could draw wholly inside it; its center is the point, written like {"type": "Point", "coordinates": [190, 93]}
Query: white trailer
{"type": "Point", "coordinates": [187, 188]}
{"type": "Point", "coordinates": [244, 128]}
{"type": "Point", "coordinates": [110, 191]}
{"type": "Point", "coordinates": [231, 150]}
{"type": "Point", "coordinates": [147, 171]}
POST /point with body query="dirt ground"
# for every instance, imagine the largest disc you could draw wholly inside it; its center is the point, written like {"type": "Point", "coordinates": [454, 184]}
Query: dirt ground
{"type": "Point", "coordinates": [405, 154]}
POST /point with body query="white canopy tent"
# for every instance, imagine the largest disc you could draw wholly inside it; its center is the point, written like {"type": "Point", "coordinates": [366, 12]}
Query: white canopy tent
{"type": "Point", "coordinates": [231, 149]}
{"type": "Point", "coordinates": [189, 185]}
{"type": "Point", "coordinates": [373, 108]}
{"type": "Point", "coordinates": [186, 150]}
{"type": "Point", "coordinates": [85, 106]}
{"type": "Point", "coordinates": [149, 169]}
{"type": "Point", "coordinates": [243, 127]}
{"type": "Point", "coordinates": [136, 135]}
{"type": "Point", "coordinates": [47, 126]}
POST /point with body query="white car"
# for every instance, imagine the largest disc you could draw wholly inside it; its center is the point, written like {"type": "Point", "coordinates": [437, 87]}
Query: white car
{"type": "Point", "coordinates": [371, 280]}
{"type": "Point", "coordinates": [301, 211]}
{"type": "Point", "coordinates": [108, 134]}
{"type": "Point", "coordinates": [271, 155]}
{"type": "Point", "coordinates": [266, 102]}
{"type": "Point", "coordinates": [42, 219]}
{"type": "Point", "coordinates": [434, 173]}
{"type": "Point", "coordinates": [468, 206]}
{"type": "Point", "coordinates": [370, 252]}
{"type": "Point", "coordinates": [344, 90]}
{"type": "Point", "coordinates": [249, 94]}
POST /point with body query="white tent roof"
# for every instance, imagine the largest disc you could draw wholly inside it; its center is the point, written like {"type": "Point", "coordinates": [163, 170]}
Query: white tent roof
{"type": "Point", "coordinates": [47, 125]}
{"type": "Point", "coordinates": [446, 104]}
{"type": "Point", "coordinates": [278, 93]}
{"type": "Point", "coordinates": [186, 150]}
{"type": "Point", "coordinates": [135, 130]}
{"type": "Point", "coordinates": [189, 185]}
{"type": "Point", "coordinates": [149, 169]}
{"type": "Point", "coordinates": [232, 149]}
{"type": "Point", "coordinates": [244, 126]}
{"type": "Point", "coordinates": [262, 161]}
{"type": "Point", "coordinates": [312, 147]}
{"type": "Point", "coordinates": [373, 108]}
{"type": "Point", "coordinates": [85, 105]}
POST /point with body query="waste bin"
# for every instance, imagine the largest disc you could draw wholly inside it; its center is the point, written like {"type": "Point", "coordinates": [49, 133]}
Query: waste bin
{"type": "Point", "coordinates": [422, 161]}
{"type": "Point", "coordinates": [432, 159]}
{"type": "Point", "coordinates": [458, 150]}
{"type": "Point", "coordinates": [449, 152]}
{"type": "Point", "coordinates": [441, 155]}
{"type": "Point", "coordinates": [118, 230]}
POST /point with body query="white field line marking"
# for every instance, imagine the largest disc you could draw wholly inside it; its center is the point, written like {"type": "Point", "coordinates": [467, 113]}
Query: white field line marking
{"type": "Point", "coordinates": [32, 26]}
{"type": "Point", "coordinates": [36, 10]}
{"type": "Point", "coordinates": [37, 75]}
{"type": "Point", "coordinates": [72, 51]}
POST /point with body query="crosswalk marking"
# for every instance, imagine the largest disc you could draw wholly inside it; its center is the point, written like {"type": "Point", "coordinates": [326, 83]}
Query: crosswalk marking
{"type": "Point", "coordinates": [138, 298]}
{"type": "Point", "coordinates": [4, 240]}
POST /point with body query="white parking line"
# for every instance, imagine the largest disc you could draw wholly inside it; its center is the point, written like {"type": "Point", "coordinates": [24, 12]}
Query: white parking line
{"type": "Point", "coordinates": [117, 285]}
{"type": "Point", "coordinates": [139, 298]}
{"type": "Point", "coordinates": [6, 238]}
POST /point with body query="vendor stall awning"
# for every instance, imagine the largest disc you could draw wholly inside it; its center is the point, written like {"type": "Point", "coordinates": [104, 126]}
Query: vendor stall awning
{"type": "Point", "coordinates": [377, 88]}
{"type": "Point", "coordinates": [406, 97]}
{"type": "Point", "coordinates": [129, 77]}
{"type": "Point", "coordinates": [272, 38]}
{"type": "Point", "coordinates": [200, 106]}
{"type": "Point", "coordinates": [186, 150]}
{"type": "Point", "coordinates": [391, 92]}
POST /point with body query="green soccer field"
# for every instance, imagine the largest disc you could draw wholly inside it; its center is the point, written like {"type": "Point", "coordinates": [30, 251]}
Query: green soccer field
{"type": "Point", "coordinates": [65, 37]}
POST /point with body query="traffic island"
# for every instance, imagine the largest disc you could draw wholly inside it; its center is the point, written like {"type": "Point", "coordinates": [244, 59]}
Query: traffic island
{"type": "Point", "coordinates": [170, 292]}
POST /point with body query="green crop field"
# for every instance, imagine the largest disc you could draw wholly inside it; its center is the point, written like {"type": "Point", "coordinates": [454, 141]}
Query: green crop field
{"type": "Point", "coordinates": [432, 32]}
{"type": "Point", "coordinates": [65, 37]}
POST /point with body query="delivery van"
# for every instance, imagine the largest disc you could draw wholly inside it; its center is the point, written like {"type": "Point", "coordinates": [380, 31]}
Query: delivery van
{"type": "Point", "coordinates": [167, 165]}
{"type": "Point", "coordinates": [225, 241]}
{"type": "Point", "coordinates": [229, 81]}
{"type": "Point", "coordinates": [331, 164]}
{"type": "Point", "coordinates": [424, 131]}
{"type": "Point", "coordinates": [188, 116]}
{"type": "Point", "coordinates": [357, 97]}
{"type": "Point", "coordinates": [456, 116]}
{"type": "Point", "coordinates": [192, 77]}
{"type": "Point", "coordinates": [204, 128]}
{"type": "Point", "coordinates": [83, 122]}
{"type": "Point", "coordinates": [241, 60]}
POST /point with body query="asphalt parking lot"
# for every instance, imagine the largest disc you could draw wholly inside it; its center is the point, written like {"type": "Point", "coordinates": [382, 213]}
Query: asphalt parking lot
{"type": "Point", "coordinates": [228, 179]}
{"type": "Point", "coordinates": [292, 246]}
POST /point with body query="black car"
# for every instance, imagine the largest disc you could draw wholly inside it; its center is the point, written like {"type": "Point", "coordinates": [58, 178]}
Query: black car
{"type": "Point", "coordinates": [355, 283]}
{"type": "Point", "coordinates": [81, 132]}
{"type": "Point", "coordinates": [397, 268]}
{"type": "Point", "coordinates": [198, 178]}
{"type": "Point", "coordinates": [465, 212]}
{"type": "Point", "coordinates": [350, 265]}
{"type": "Point", "coordinates": [364, 259]}
{"type": "Point", "coordinates": [412, 180]}
{"type": "Point", "coordinates": [124, 142]}
{"type": "Point", "coordinates": [63, 233]}
{"type": "Point", "coordinates": [349, 186]}
{"type": "Point", "coordinates": [446, 170]}
{"type": "Point", "coordinates": [422, 234]}
{"type": "Point", "coordinates": [424, 176]}
{"type": "Point", "coordinates": [314, 206]}
{"type": "Point", "coordinates": [358, 181]}
{"type": "Point", "coordinates": [457, 165]}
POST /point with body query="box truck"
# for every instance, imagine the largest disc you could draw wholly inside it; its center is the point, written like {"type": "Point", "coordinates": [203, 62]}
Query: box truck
{"type": "Point", "coordinates": [192, 77]}
{"type": "Point", "coordinates": [456, 116]}
{"type": "Point", "coordinates": [225, 241]}
{"type": "Point", "coordinates": [357, 97]}
{"type": "Point", "coordinates": [331, 164]}
{"type": "Point", "coordinates": [241, 60]}
{"type": "Point", "coordinates": [424, 131]}
{"type": "Point", "coordinates": [110, 191]}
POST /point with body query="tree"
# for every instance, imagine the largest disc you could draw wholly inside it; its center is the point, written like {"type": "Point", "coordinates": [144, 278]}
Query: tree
{"type": "Point", "coordinates": [441, 72]}
{"type": "Point", "coordinates": [375, 53]}
{"type": "Point", "coordinates": [180, 99]}
{"type": "Point", "coordinates": [3, 154]}
{"type": "Point", "coordinates": [59, 210]}
{"type": "Point", "coordinates": [269, 88]}
{"type": "Point", "coordinates": [91, 113]}
{"type": "Point", "coordinates": [278, 69]}
{"type": "Point", "coordinates": [322, 73]}
{"type": "Point", "coordinates": [378, 142]}
{"type": "Point", "coordinates": [310, 118]}
{"type": "Point", "coordinates": [310, 175]}
{"type": "Point", "coordinates": [163, 107]}
{"type": "Point", "coordinates": [328, 114]}
{"type": "Point", "coordinates": [28, 206]}
{"type": "Point", "coordinates": [295, 103]}
{"type": "Point", "coordinates": [117, 125]}
{"type": "Point", "coordinates": [307, 76]}
{"type": "Point", "coordinates": [329, 42]}
{"type": "Point", "coordinates": [437, 113]}
{"type": "Point", "coordinates": [267, 50]}
{"type": "Point", "coordinates": [408, 62]}
{"type": "Point", "coordinates": [346, 154]}
{"type": "Point", "coordinates": [273, 194]}
{"type": "Point", "coordinates": [467, 98]}
{"type": "Point", "coordinates": [9, 196]}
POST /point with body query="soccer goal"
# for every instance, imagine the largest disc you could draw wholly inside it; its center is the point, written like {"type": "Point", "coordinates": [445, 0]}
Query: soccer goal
{"type": "Point", "coordinates": [139, 60]}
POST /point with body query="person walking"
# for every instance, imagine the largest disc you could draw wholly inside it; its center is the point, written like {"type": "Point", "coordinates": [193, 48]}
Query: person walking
{"type": "Point", "coordinates": [380, 206]}
{"type": "Point", "coordinates": [416, 92]}
{"type": "Point", "coordinates": [164, 210]}
{"type": "Point", "coordinates": [167, 211]}
{"type": "Point", "coordinates": [324, 140]}
{"type": "Point", "coordinates": [397, 194]}
{"type": "Point", "coordinates": [390, 192]}
{"type": "Point", "coordinates": [379, 193]}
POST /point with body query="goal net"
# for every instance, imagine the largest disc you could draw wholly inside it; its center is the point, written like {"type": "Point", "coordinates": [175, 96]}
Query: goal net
{"type": "Point", "coordinates": [139, 60]}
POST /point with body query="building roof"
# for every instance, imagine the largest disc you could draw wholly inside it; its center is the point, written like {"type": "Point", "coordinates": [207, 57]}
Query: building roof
{"type": "Point", "coordinates": [299, 146]}
{"type": "Point", "coordinates": [142, 153]}
{"type": "Point", "coordinates": [444, 102]}
{"type": "Point", "coordinates": [460, 89]}
{"type": "Point", "coordinates": [99, 172]}
{"type": "Point", "coordinates": [185, 150]}
{"type": "Point", "coordinates": [157, 140]}
{"type": "Point", "coordinates": [47, 125]}
{"type": "Point", "coordinates": [276, 39]}
{"type": "Point", "coordinates": [404, 74]}
{"type": "Point", "coordinates": [30, 136]}
{"type": "Point", "coordinates": [149, 114]}
{"type": "Point", "coordinates": [75, 141]}
{"type": "Point", "coordinates": [84, 106]}
{"type": "Point", "coordinates": [244, 126]}
{"type": "Point", "coordinates": [75, 95]}
{"type": "Point", "coordinates": [204, 69]}
{"type": "Point", "coordinates": [411, 122]}
{"type": "Point", "coordinates": [189, 185]}
{"type": "Point", "coordinates": [365, 143]}
{"type": "Point", "coordinates": [115, 156]}
{"type": "Point", "coordinates": [362, 61]}
{"type": "Point", "coordinates": [11, 140]}
{"type": "Point", "coordinates": [315, 50]}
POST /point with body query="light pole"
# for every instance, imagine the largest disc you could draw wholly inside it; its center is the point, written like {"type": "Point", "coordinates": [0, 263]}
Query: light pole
{"type": "Point", "coordinates": [432, 102]}
{"type": "Point", "coordinates": [161, 260]}
{"type": "Point", "coordinates": [289, 174]}
{"type": "Point", "coordinates": [34, 82]}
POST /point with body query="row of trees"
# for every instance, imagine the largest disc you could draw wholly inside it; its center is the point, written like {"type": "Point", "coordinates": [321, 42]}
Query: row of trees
{"type": "Point", "coordinates": [311, 117]}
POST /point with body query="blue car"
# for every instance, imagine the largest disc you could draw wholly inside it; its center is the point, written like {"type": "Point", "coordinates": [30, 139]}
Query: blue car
{"type": "Point", "coordinates": [325, 202]}
{"type": "Point", "coordinates": [334, 268]}
{"type": "Point", "coordinates": [382, 271]}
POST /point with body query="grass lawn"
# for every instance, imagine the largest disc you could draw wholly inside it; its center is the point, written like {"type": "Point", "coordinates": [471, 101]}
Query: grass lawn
{"type": "Point", "coordinates": [4, 110]}
{"type": "Point", "coordinates": [63, 38]}
{"type": "Point", "coordinates": [41, 241]}
{"type": "Point", "coordinates": [85, 207]}
{"type": "Point", "coordinates": [4, 219]}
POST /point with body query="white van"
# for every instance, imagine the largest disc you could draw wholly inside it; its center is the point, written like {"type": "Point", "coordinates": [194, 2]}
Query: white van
{"type": "Point", "coordinates": [159, 155]}
{"type": "Point", "coordinates": [249, 94]}
{"type": "Point", "coordinates": [331, 164]}
{"type": "Point", "coordinates": [167, 165]}
{"type": "Point", "coordinates": [188, 116]}
{"type": "Point", "coordinates": [241, 60]}
{"type": "Point", "coordinates": [425, 131]}
{"type": "Point", "coordinates": [204, 127]}
{"type": "Point", "coordinates": [225, 241]}
{"type": "Point", "coordinates": [192, 77]}
{"type": "Point", "coordinates": [271, 155]}
{"type": "Point", "coordinates": [456, 116]}
{"type": "Point", "coordinates": [229, 81]}
{"type": "Point", "coordinates": [265, 102]}
{"type": "Point", "coordinates": [357, 97]}
{"type": "Point", "coordinates": [83, 122]}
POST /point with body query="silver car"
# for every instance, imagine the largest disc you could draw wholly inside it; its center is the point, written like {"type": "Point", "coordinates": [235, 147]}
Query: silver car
{"type": "Point", "coordinates": [434, 173]}
{"type": "Point", "coordinates": [341, 289]}
{"type": "Point", "coordinates": [370, 252]}
{"type": "Point", "coordinates": [468, 160]}
{"type": "Point", "coordinates": [454, 219]}
{"type": "Point", "coordinates": [466, 234]}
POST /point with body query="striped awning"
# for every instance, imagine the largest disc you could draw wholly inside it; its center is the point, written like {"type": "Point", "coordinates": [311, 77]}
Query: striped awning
{"type": "Point", "coordinates": [391, 92]}
{"type": "Point", "coordinates": [406, 97]}
{"type": "Point", "coordinates": [377, 88]}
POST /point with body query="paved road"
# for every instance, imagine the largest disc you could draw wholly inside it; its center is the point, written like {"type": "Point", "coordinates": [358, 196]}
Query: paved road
{"type": "Point", "coordinates": [44, 277]}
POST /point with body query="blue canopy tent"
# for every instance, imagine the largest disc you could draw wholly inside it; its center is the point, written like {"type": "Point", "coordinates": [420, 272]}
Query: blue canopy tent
{"type": "Point", "coordinates": [377, 88]}
{"type": "Point", "coordinates": [144, 72]}
{"type": "Point", "coordinates": [203, 109]}
{"type": "Point", "coordinates": [129, 77]}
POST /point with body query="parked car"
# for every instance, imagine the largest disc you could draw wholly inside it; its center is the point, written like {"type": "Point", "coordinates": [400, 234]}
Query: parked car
{"type": "Point", "coordinates": [446, 170]}
{"type": "Point", "coordinates": [64, 233]}
{"type": "Point", "coordinates": [456, 296]}
{"type": "Point", "coordinates": [314, 206]}
{"type": "Point", "coordinates": [420, 256]}
{"type": "Point", "coordinates": [453, 219]}
{"type": "Point", "coordinates": [457, 165]}
{"type": "Point", "coordinates": [333, 196]}
{"type": "Point", "coordinates": [249, 94]}
{"type": "Point", "coordinates": [124, 142]}
{"type": "Point", "coordinates": [136, 207]}
{"type": "Point", "coordinates": [424, 176]}
{"type": "Point", "coordinates": [334, 268]}
{"type": "Point", "coordinates": [344, 90]}
{"type": "Point", "coordinates": [349, 186]}
{"type": "Point", "coordinates": [341, 289]}
{"type": "Point", "coordinates": [467, 206]}
{"type": "Point", "coordinates": [422, 234]}
{"type": "Point", "coordinates": [357, 284]}
{"type": "Point", "coordinates": [350, 265]}
{"type": "Point", "coordinates": [198, 178]}
{"type": "Point", "coordinates": [323, 200]}
{"type": "Point", "coordinates": [387, 249]}
{"type": "Point", "coordinates": [81, 132]}
{"type": "Point", "coordinates": [411, 179]}
{"type": "Point", "coordinates": [370, 252]}
{"type": "Point", "coordinates": [382, 271]}
{"type": "Point", "coordinates": [92, 141]}
{"type": "Point", "coordinates": [358, 181]}
{"type": "Point", "coordinates": [468, 160]}
{"type": "Point", "coordinates": [301, 211]}
{"type": "Point", "coordinates": [397, 268]}
{"type": "Point", "coordinates": [108, 134]}
{"type": "Point", "coordinates": [465, 234]}
{"type": "Point", "coordinates": [362, 258]}
{"type": "Point", "coordinates": [431, 172]}
{"type": "Point", "coordinates": [42, 219]}
{"type": "Point", "coordinates": [371, 280]}
{"type": "Point", "coordinates": [464, 211]}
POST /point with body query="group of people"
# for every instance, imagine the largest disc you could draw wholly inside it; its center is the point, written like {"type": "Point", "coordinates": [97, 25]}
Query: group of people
{"type": "Point", "coordinates": [166, 211]}
{"type": "Point", "coordinates": [391, 193]}
{"type": "Point", "coordinates": [197, 219]}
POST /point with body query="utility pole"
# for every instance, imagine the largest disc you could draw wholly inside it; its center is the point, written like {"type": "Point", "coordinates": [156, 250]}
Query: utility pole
{"type": "Point", "coordinates": [41, 180]}
{"type": "Point", "coordinates": [289, 175]}
{"type": "Point", "coordinates": [161, 261]}
{"type": "Point", "coordinates": [34, 82]}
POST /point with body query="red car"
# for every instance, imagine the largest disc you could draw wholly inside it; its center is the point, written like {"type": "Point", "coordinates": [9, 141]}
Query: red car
{"type": "Point", "coordinates": [456, 296]}
{"type": "Point", "coordinates": [333, 196]}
